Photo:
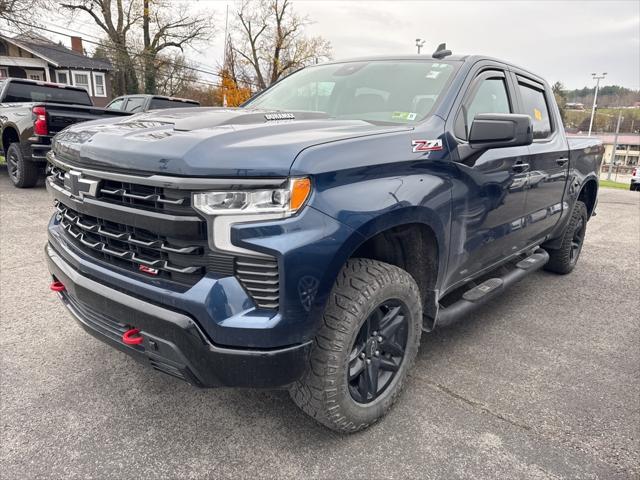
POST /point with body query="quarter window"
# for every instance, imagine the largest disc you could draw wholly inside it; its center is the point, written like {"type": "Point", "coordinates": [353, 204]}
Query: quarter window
{"type": "Point", "coordinates": [535, 105]}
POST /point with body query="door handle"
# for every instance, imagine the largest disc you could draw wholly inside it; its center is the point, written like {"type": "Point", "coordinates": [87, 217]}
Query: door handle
{"type": "Point", "coordinates": [562, 161]}
{"type": "Point", "coordinates": [520, 167]}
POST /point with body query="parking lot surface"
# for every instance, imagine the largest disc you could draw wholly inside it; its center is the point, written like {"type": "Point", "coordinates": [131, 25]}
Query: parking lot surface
{"type": "Point", "coordinates": [543, 382]}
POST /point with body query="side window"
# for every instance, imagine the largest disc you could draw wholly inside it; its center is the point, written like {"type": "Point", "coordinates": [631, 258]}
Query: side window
{"type": "Point", "coordinates": [490, 97]}
{"type": "Point", "coordinates": [134, 104]}
{"type": "Point", "coordinates": [116, 104]}
{"type": "Point", "coordinates": [535, 105]}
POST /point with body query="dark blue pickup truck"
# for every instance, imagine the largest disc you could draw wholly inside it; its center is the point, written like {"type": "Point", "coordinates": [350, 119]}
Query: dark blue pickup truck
{"type": "Point", "coordinates": [308, 239]}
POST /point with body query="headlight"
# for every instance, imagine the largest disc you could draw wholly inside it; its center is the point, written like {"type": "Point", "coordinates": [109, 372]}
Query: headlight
{"type": "Point", "coordinates": [283, 201]}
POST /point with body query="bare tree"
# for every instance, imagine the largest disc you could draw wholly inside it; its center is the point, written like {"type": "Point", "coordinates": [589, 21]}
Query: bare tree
{"type": "Point", "coordinates": [116, 18]}
{"type": "Point", "coordinates": [173, 75]}
{"type": "Point", "coordinates": [270, 42]}
{"type": "Point", "coordinates": [165, 31]}
{"type": "Point", "coordinates": [19, 13]}
{"type": "Point", "coordinates": [161, 25]}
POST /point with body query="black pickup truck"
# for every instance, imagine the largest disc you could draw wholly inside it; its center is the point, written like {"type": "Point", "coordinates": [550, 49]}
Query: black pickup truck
{"type": "Point", "coordinates": [31, 113]}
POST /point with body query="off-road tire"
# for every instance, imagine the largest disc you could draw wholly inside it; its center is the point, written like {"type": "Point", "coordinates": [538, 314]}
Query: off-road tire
{"type": "Point", "coordinates": [323, 392]}
{"type": "Point", "coordinates": [560, 260]}
{"type": "Point", "coordinates": [22, 173]}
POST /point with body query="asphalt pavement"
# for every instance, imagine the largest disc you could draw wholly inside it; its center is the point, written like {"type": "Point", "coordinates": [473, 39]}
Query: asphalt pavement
{"type": "Point", "coordinates": [542, 383]}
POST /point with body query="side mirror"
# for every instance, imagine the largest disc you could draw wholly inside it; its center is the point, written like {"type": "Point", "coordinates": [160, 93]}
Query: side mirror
{"type": "Point", "coordinates": [498, 130]}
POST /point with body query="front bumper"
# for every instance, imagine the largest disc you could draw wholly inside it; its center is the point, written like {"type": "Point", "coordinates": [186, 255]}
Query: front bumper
{"type": "Point", "coordinates": [173, 342]}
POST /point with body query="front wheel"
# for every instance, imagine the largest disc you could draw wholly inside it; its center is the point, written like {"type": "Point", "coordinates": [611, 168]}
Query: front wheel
{"type": "Point", "coordinates": [563, 260]}
{"type": "Point", "coordinates": [367, 343]}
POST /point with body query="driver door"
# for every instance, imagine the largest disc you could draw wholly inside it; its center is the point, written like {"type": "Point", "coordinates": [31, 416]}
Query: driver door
{"type": "Point", "coordinates": [489, 187]}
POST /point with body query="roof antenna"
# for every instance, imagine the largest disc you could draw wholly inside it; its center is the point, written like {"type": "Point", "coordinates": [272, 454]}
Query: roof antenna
{"type": "Point", "coordinates": [441, 51]}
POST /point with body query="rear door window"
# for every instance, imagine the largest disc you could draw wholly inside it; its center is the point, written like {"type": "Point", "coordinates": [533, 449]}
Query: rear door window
{"type": "Point", "coordinates": [535, 105]}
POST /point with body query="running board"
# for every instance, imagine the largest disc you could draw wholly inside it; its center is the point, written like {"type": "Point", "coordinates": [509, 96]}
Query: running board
{"type": "Point", "coordinates": [491, 288]}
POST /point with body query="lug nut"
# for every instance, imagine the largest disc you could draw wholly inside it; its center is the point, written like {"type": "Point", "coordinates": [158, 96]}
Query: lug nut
{"type": "Point", "coordinates": [362, 355]}
{"type": "Point", "coordinates": [377, 353]}
{"type": "Point", "coordinates": [379, 339]}
{"type": "Point", "coordinates": [374, 334]}
{"type": "Point", "coordinates": [368, 360]}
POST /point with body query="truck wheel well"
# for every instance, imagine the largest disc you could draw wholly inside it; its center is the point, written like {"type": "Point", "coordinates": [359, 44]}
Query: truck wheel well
{"type": "Point", "coordinates": [9, 136]}
{"type": "Point", "coordinates": [588, 196]}
{"type": "Point", "coordinates": [412, 247]}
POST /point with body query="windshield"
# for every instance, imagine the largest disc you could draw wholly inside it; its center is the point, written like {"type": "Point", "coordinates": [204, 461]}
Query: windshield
{"type": "Point", "coordinates": [398, 91]}
{"type": "Point", "coordinates": [25, 92]}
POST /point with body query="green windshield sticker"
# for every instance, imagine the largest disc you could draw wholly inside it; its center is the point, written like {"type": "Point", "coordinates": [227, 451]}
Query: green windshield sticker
{"type": "Point", "coordinates": [406, 116]}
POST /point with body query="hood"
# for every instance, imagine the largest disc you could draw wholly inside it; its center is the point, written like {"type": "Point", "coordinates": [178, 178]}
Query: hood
{"type": "Point", "coordinates": [205, 141]}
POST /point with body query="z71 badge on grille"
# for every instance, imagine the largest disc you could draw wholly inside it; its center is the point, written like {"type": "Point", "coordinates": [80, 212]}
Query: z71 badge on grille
{"type": "Point", "coordinates": [426, 145]}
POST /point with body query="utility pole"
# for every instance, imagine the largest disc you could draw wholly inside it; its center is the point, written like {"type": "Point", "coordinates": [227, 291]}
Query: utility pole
{"type": "Point", "coordinates": [224, 61]}
{"type": "Point", "coordinates": [615, 145]}
{"type": "Point", "coordinates": [597, 78]}
{"type": "Point", "coordinates": [419, 43]}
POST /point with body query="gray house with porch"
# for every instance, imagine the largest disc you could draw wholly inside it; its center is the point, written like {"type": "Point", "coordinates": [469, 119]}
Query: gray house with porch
{"type": "Point", "coordinates": [35, 57]}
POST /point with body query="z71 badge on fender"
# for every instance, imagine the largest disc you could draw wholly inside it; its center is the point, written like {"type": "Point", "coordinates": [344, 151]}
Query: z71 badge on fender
{"type": "Point", "coordinates": [426, 145]}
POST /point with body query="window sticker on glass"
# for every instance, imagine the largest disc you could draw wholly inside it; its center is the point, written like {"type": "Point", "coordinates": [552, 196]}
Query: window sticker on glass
{"type": "Point", "coordinates": [406, 116]}
{"type": "Point", "coordinates": [537, 114]}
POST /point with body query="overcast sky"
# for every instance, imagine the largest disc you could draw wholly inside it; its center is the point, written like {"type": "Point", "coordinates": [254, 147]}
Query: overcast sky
{"type": "Point", "coordinates": [559, 40]}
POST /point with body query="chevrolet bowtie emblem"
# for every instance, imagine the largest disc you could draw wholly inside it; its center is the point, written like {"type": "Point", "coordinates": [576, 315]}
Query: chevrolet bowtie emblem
{"type": "Point", "coordinates": [79, 186]}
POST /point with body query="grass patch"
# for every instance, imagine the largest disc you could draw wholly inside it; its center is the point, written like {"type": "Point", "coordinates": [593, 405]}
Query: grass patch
{"type": "Point", "coordinates": [1, 160]}
{"type": "Point", "coordinates": [612, 184]}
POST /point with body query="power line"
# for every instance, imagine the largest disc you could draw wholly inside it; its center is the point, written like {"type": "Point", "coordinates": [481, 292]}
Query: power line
{"type": "Point", "coordinates": [117, 49]}
{"type": "Point", "coordinates": [165, 75]}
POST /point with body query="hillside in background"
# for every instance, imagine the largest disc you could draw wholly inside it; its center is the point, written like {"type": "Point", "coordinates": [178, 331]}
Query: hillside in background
{"type": "Point", "coordinates": [608, 96]}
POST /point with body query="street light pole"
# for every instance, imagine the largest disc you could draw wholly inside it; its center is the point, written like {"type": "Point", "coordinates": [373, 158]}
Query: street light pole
{"type": "Point", "coordinates": [419, 43]}
{"type": "Point", "coordinates": [597, 78]}
{"type": "Point", "coordinates": [615, 145]}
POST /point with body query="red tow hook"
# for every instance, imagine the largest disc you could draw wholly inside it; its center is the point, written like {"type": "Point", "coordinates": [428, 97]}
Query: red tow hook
{"type": "Point", "coordinates": [57, 286]}
{"type": "Point", "coordinates": [132, 337]}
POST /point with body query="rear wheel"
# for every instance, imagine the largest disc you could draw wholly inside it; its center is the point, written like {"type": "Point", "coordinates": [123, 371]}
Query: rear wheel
{"type": "Point", "coordinates": [22, 173]}
{"type": "Point", "coordinates": [563, 260]}
{"type": "Point", "coordinates": [367, 343]}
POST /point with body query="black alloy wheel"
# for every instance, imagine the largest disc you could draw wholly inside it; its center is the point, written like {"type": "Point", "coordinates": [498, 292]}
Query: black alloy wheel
{"type": "Point", "coordinates": [12, 165]}
{"type": "Point", "coordinates": [577, 240]}
{"type": "Point", "coordinates": [378, 351]}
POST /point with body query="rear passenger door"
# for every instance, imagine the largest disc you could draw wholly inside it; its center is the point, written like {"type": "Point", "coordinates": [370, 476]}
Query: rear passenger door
{"type": "Point", "coordinates": [548, 159]}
